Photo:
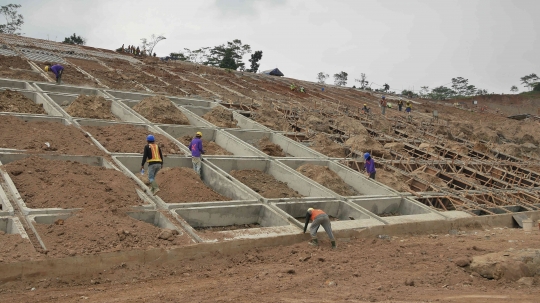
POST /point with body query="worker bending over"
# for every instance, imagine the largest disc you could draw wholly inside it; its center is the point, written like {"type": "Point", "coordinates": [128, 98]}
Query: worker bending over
{"type": "Point", "coordinates": [365, 109]}
{"type": "Point", "coordinates": [197, 150]}
{"type": "Point", "coordinates": [152, 154]}
{"type": "Point", "coordinates": [57, 70]}
{"type": "Point", "coordinates": [369, 166]}
{"type": "Point", "coordinates": [318, 218]}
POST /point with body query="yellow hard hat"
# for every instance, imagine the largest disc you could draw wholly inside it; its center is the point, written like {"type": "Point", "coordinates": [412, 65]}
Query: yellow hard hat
{"type": "Point", "coordinates": [365, 104]}
{"type": "Point", "coordinates": [47, 68]}
{"type": "Point", "coordinates": [199, 134]}
{"type": "Point", "coordinates": [309, 209]}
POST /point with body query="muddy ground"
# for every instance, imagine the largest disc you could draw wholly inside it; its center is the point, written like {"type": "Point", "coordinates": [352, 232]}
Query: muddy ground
{"type": "Point", "coordinates": [15, 102]}
{"type": "Point", "coordinates": [264, 184]}
{"type": "Point", "coordinates": [159, 109]}
{"type": "Point", "coordinates": [62, 139]}
{"type": "Point", "coordinates": [93, 107]}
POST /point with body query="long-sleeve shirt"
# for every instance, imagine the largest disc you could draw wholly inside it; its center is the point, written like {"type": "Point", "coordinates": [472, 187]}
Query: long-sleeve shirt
{"type": "Point", "coordinates": [196, 147]}
{"type": "Point", "coordinates": [148, 155]}
{"type": "Point", "coordinates": [308, 217]}
{"type": "Point", "coordinates": [370, 166]}
{"type": "Point", "coordinates": [56, 69]}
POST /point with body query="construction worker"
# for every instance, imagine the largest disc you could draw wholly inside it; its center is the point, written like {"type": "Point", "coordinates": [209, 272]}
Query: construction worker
{"type": "Point", "coordinates": [383, 105]}
{"type": "Point", "coordinates": [57, 70]}
{"type": "Point", "coordinates": [400, 104]}
{"type": "Point", "coordinates": [301, 89]}
{"type": "Point", "coordinates": [152, 155]}
{"type": "Point", "coordinates": [293, 87]}
{"type": "Point", "coordinates": [365, 109]}
{"type": "Point", "coordinates": [369, 165]}
{"type": "Point", "coordinates": [408, 107]}
{"type": "Point", "coordinates": [318, 218]}
{"type": "Point", "coordinates": [197, 150]}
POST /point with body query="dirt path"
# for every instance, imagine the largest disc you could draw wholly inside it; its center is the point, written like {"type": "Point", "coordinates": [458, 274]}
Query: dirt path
{"type": "Point", "coordinates": [264, 184]}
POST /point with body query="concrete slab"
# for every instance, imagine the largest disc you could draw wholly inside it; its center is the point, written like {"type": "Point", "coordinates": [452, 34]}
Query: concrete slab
{"type": "Point", "coordinates": [243, 122]}
{"type": "Point", "coordinates": [270, 223]}
{"type": "Point", "coordinates": [69, 89]}
{"type": "Point", "coordinates": [343, 214]}
{"type": "Point", "coordinates": [221, 138]}
{"type": "Point", "coordinates": [124, 95]}
{"type": "Point", "coordinates": [38, 98]}
{"type": "Point", "coordinates": [360, 183]}
{"type": "Point", "coordinates": [6, 158]}
{"type": "Point", "coordinates": [61, 101]}
{"type": "Point", "coordinates": [15, 84]}
{"type": "Point", "coordinates": [295, 181]}
{"type": "Point", "coordinates": [290, 147]}
{"type": "Point", "coordinates": [131, 166]}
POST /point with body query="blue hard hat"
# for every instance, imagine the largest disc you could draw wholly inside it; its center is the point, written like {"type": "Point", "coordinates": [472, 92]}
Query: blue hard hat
{"type": "Point", "coordinates": [150, 138]}
{"type": "Point", "coordinates": [366, 155]}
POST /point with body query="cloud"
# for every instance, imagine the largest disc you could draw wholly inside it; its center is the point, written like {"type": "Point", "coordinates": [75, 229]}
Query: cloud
{"type": "Point", "coordinates": [235, 8]}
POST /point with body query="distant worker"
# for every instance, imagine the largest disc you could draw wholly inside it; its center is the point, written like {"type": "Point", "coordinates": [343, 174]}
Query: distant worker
{"type": "Point", "coordinates": [318, 218]}
{"type": "Point", "coordinates": [152, 154]}
{"type": "Point", "coordinates": [389, 105]}
{"type": "Point", "coordinates": [400, 104]}
{"type": "Point", "coordinates": [57, 70]}
{"type": "Point", "coordinates": [302, 89]}
{"type": "Point", "coordinates": [382, 103]}
{"type": "Point", "coordinates": [369, 165]}
{"type": "Point", "coordinates": [197, 150]}
{"type": "Point", "coordinates": [293, 87]}
{"type": "Point", "coordinates": [365, 109]}
{"type": "Point", "coordinates": [408, 107]}
{"type": "Point", "coordinates": [322, 89]}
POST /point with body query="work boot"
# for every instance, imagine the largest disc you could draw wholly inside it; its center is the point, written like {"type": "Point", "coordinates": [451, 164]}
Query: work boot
{"type": "Point", "coordinates": [314, 242]}
{"type": "Point", "coordinates": [155, 187]}
{"type": "Point", "coordinates": [334, 245]}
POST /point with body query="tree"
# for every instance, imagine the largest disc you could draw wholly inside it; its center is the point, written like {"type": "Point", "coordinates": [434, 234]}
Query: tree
{"type": "Point", "coordinates": [340, 79]}
{"type": "Point", "coordinates": [234, 50]}
{"type": "Point", "coordinates": [424, 91]}
{"type": "Point", "coordinates": [321, 78]}
{"type": "Point", "coordinates": [514, 89]}
{"type": "Point", "coordinates": [442, 93]}
{"type": "Point", "coordinates": [537, 87]}
{"type": "Point", "coordinates": [149, 44]}
{"type": "Point", "coordinates": [363, 81]}
{"type": "Point", "coordinates": [255, 58]}
{"type": "Point", "coordinates": [14, 21]}
{"type": "Point", "coordinates": [386, 87]}
{"type": "Point", "coordinates": [228, 60]}
{"type": "Point", "coordinates": [178, 56]}
{"type": "Point", "coordinates": [74, 39]}
{"type": "Point", "coordinates": [460, 86]}
{"type": "Point", "coordinates": [530, 81]}
{"type": "Point", "coordinates": [408, 93]}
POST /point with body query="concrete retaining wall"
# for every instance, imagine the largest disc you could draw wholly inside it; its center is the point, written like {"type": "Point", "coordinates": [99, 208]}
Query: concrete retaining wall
{"type": "Point", "coordinates": [48, 106]}
{"type": "Point", "coordinates": [140, 96]}
{"type": "Point", "coordinates": [192, 118]}
{"type": "Point", "coordinates": [68, 89]}
{"type": "Point", "coordinates": [15, 85]}
{"type": "Point", "coordinates": [394, 210]}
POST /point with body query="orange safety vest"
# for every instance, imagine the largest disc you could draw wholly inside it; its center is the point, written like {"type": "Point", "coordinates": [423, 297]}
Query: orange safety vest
{"type": "Point", "coordinates": [155, 153]}
{"type": "Point", "coordinates": [315, 213]}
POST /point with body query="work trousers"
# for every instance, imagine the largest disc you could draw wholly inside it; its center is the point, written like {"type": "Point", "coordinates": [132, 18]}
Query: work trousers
{"type": "Point", "coordinates": [372, 175]}
{"type": "Point", "coordinates": [383, 110]}
{"type": "Point", "coordinates": [323, 220]}
{"type": "Point", "coordinates": [153, 170]}
{"type": "Point", "coordinates": [400, 107]}
{"type": "Point", "coordinates": [197, 163]}
{"type": "Point", "coordinates": [59, 78]}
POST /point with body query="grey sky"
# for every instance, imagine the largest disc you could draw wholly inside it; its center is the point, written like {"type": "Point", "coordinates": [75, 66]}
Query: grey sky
{"type": "Point", "coordinates": [403, 43]}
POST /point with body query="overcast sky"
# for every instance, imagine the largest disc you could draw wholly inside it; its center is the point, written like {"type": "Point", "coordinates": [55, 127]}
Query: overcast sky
{"type": "Point", "coordinates": [404, 43]}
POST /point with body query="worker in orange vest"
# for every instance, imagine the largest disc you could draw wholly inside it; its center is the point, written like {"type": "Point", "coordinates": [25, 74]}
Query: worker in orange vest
{"type": "Point", "coordinates": [152, 154]}
{"type": "Point", "coordinates": [318, 218]}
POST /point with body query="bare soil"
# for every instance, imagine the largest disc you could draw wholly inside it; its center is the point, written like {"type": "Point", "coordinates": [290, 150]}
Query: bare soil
{"type": "Point", "coordinates": [45, 183]}
{"type": "Point", "coordinates": [392, 180]}
{"type": "Point", "coordinates": [364, 143]}
{"type": "Point", "coordinates": [62, 139]}
{"type": "Point", "coordinates": [264, 184]}
{"type": "Point", "coordinates": [210, 147]}
{"type": "Point", "coordinates": [125, 138]}
{"type": "Point", "coordinates": [7, 62]}
{"type": "Point", "coordinates": [89, 232]}
{"type": "Point", "coordinates": [326, 146]}
{"type": "Point", "coordinates": [159, 109]}
{"type": "Point", "coordinates": [269, 148]}
{"type": "Point", "coordinates": [327, 178]}
{"type": "Point", "coordinates": [350, 126]}
{"type": "Point", "coordinates": [14, 248]}
{"type": "Point", "coordinates": [93, 107]}
{"type": "Point", "coordinates": [15, 102]}
{"type": "Point", "coordinates": [272, 119]}
{"type": "Point", "coordinates": [221, 117]}
{"type": "Point", "coordinates": [22, 75]}
{"type": "Point", "coordinates": [192, 188]}
{"type": "Point", "coordinates": [72, 76]}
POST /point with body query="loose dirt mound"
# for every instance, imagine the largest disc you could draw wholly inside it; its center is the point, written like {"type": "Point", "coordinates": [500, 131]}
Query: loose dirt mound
{"type": "Point", "coordinates": [159, 109]}
{"type": "Point", "coordinates": [428, 177]}
{"type": "Point", "coordinates": [15, 248]}
{"type": "Point", "coordinates": [395, 146]}
{"type": "Point", "coordinates": [364, 143]}
{"type": "Point", "coordinates": [192, 188]}
{"type": "Point", "coordinates": [459, 148]}
{"type": "Point", "coordinates": [264, 184]}
{"type": "Point", "coordinates": [210, 147]}
{"type": "Point", "coordinates": [124, 138]}
{"type": "Point", "coordinates": [14, 62]}
{"type": "Point", "coordinates": [15, 102]}
{"type": "Point", "coordinates": [62, 139]}
{"type": "Point", "coordinates": [272, 119]}
{"type": "Point", "coordinates": [326, 146]}
{"type": "Point", "coordinates": [327, 178]}
{"type": "Point", "coordinates": [93, 107]}
{"type": "Point", "coordinates": [221, 117]}
{"type": "Point", "coordinates": [481, 147]}
{"type": "Point", "coordinates": [46, 183]}
{"type": "Point", "coordinates": [316, 124]}
{"type": "Point", "coordinates": [393, 180]}
{"type": "Point", "coordinates": [90, 232]}
{"type": "Point", "coordinates": [351, 126]}
{"type": "Point", "coordinates": [270, 148]}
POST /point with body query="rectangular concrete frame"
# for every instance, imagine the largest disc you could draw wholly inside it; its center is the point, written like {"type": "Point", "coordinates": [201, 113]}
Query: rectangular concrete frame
{"type": "Point", "coordinates": [295, 181]}
{"type": "Point", "coordinates": [290, 147]}
{"type": "Point", "coordinates": [243, 122]}
{"type": "Point", "coordinates": [140, 96]}
{"type": "Point", "coordinates": [193, 119]}
{"type": "Point", "coordinates": [335, 208]}
{"type": "Point", "coordinates": [221, 138]}
{"type": "Point", "coordinates": [155, 218]}
{"type": "Point", "coordinates": [121, 112]}
{"type": "Point", "coordinates": [6, 158]}
{"type": "Point", "coordinates": [151, 130]}
{"type": "Point", "coordinates": [131, 165]}
{"type": "Point", "coordinates": [48, 219]}
{"type": "Point", "coordinates": [359, 182]}
{"type": "Point", "coordinates": [7, 209]}
{"type": "Point", "coordinates": [15, 84]}
{"type": "Point", "coordinates": [48, 106]}
{"type": "Point", "coordinates": [12, 225]}
{"type": "Point", "coordinates": [272, 224]}
{"type": "Point", "coordinates": [407, 210]}
{"type": "Point", "coordinates": [69, 89]}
